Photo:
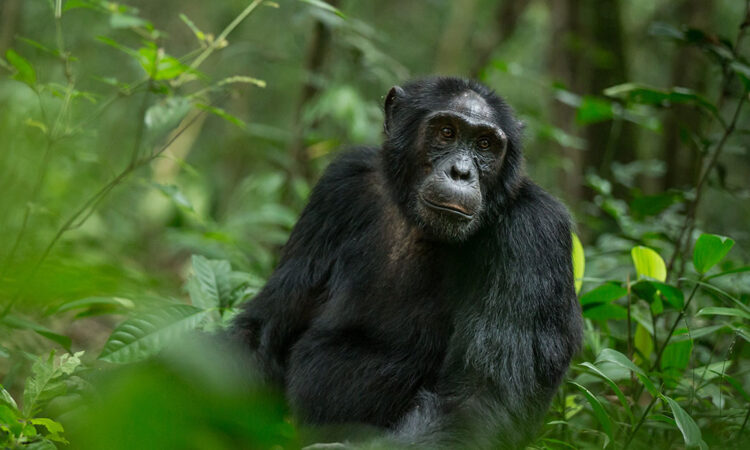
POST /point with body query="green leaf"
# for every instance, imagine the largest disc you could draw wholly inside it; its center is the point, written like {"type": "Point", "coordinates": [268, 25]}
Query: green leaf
{"type": "Point", "coordinates": [691, 434]}
{"type": "Point", "coordinates": [697, 333]}
{"type": "Point", "coordinates": [158, 65]}
{"type": "Point", "coordinates": [166, 114]}
{"type": "Point", "coordinates": [9, 418]}
{"type": "Point", "coordinates": [648, 263]}
{"type": "Point", "coordinates": [46, 382]}
{"type": "Point", "coordinates": [605, 293]}
{"type": "Point", "coordinates": [646, 95]}
{"type": "Point", "coordinates": [104, 303]}
{"type": "Point", "coordinates": [651, 205]}
{"type": "Point", "coordinates": [325, 6]}
{"type": "Point", "coordinates": [729, 272]}
{"type": "Point", "coordinates": [579, 262]}
{"type": "Point", "coordinates": [709, 250]}
{"type": "Point", "coordinates": [652, 291]}
{"type": "Point", "coordinates": [594, 110]}
{"type": "Point", "coordinates": [721, 311]}
{"type": "Point", "coordinates": [221, 113]}
{"type": "Point", "coordinates": [676, 357]}
{"type": "Point", "coordinates": [605, 311]}
{"type": "Point", "coordinates": [6, 398]}
{"type": "Point", "coordinates": [214, 280]}
{"type": "Point", "coordinates": [23, 324]}
{"type": "Point", "coordinates": [616, 389]}
{"type": "Point", "coordinates": [643, 343]}
{"type": "Point", "coordinates": [599, 412]}
{"type": "Point", "coordinates": [24, 70]}
{"type": "Point", "coordinates": [617, 358]}
{"type": "Point", "coordinates": [144, 335]}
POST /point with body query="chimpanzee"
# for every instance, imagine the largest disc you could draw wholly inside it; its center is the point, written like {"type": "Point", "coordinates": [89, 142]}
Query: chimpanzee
{"type": "Point", "coordinates": [428, 286]}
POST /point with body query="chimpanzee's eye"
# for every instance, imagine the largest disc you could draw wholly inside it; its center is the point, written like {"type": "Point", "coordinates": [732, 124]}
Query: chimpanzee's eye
{"type": "Point", "coordinates": [447, 132]}
{"type": "Point", "coordinates": [483, 143]}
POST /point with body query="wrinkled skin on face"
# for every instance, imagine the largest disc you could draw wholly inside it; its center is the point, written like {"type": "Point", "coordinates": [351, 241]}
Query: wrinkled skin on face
{"type": "Point", "coordinates": [460, 148]}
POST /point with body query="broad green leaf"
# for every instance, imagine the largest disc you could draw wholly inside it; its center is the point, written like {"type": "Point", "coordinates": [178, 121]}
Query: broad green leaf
{"type": "Point", "coordinates": [24, 70]}
{"type": "Point", "coordinates": [616, 389]}
{"type": "Point", "coordinates": [691, 434]}
{"type": "Point", "coordinates": [214, 280]}
{"type": "Point", "coordinates": [605, 311]}
{"type": "Point", "coordinates": [605, 293]}
{"type": "Point", "coordinates": [159, 65]}
{"type": "Point", "coordinates": [615, 357]}
{"type": "Point", "coordinates": [648, 263]}
{"type": "Point", "coordinates": [709, 250]}
{"type": "Point", "coordinates": [643, 343]}
{"type": "Point", "coordinates": [720, 311]}
{"type": "Point", "coordinates": [579, 262]}
{"type": "Point", "coordinates": [46, 381]}
{"type": "Point", "coordinates": [144, 335]}
{"type": "Point", "coordinates": [599, 412]}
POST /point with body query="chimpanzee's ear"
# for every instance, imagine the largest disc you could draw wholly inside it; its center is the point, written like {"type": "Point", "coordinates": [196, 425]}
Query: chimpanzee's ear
{"type": "Point", "coordinates": [391, 100]}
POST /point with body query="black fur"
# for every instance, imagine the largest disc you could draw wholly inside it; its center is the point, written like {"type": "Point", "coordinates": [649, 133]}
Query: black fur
{"type": "Point", "coordinates": [447, 340]}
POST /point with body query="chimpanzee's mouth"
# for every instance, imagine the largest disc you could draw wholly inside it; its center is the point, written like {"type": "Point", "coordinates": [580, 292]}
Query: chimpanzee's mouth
{"type": "Point", "coordinates": [450, 208]}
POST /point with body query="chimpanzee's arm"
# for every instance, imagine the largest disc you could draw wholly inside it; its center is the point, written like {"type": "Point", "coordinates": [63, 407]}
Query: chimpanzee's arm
{"type": "Point", "coordinates": [272, 322]}
{"type": "Point", "coordinates": [511, 349]}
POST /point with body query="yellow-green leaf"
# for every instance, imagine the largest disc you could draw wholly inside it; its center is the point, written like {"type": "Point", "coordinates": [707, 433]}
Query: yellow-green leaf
{"type": "Point", "coordinates": [579, 262]}
{"type": "Point", "coordinates": [648, 263]}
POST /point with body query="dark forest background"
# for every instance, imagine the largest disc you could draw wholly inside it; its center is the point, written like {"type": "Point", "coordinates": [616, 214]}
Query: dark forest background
{"type": "Point", "coordinates": [154, 156]}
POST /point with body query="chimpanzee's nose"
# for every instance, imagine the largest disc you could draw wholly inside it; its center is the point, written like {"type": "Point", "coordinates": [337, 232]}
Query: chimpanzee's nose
{"type": "Point", "coordinates": [461, 170]}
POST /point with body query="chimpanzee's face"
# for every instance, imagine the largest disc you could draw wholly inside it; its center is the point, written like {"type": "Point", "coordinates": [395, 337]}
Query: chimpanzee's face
{"type": "Point", "coordinates": [460, 150]}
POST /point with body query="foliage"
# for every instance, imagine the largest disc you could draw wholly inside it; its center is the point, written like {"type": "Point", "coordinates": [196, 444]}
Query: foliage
{"type": "Point", "coordinates": [150, 178]}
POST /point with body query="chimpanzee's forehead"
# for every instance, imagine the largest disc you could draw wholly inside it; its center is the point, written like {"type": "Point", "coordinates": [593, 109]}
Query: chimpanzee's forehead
{"type": "Point", "coordinates": [473, 105]}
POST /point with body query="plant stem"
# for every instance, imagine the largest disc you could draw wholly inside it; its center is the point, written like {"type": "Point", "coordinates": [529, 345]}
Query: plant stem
{"type": "Point", "coordinates": [674, 327]}
{"type": "Point", "coordinates": [640, 422]}
{"type": "Point", "coordinates": [90, 205]}
{"type": "Point", "coordinates": [223, 35]}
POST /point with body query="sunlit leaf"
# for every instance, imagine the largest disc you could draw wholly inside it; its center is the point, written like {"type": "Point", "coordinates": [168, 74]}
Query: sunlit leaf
{"type": "Point", "coordinates": [648, 263]}
{"type": "Point", "coordinates": [579, 262]}
{"type": "Point", "coordinates": [46, 382]}
{"type": "Point", "coordinates": [709, 250]}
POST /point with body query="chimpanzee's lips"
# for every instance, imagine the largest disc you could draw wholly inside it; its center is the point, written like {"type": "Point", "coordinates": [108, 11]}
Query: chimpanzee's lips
{"type": "Point", "coordinates": [450, 208]}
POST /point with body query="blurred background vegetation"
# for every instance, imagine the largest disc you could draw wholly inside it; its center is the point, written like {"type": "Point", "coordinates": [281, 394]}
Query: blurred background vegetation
{"type": "Point", "coordinates": [155, 155]}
